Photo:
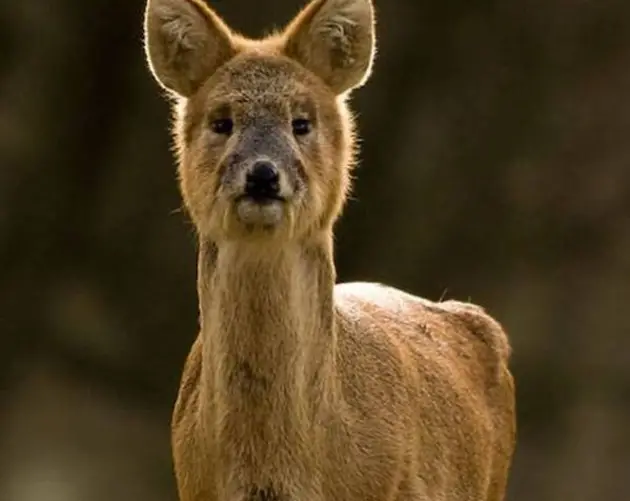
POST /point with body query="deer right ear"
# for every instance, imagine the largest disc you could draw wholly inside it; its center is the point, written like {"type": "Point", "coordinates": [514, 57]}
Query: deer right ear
{"type": "Point", "coordinates": [335, 40]}
{"type": "Point", "coordinates": [185, 42]}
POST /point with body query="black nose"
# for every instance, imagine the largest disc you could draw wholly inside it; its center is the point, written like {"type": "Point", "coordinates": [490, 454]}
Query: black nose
{"type": "Point", "coordinates": [262, 181]}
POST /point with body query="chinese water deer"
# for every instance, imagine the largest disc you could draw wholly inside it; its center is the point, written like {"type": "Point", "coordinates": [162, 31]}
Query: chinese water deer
{"type": "Point", "coordinates": [298, 389]}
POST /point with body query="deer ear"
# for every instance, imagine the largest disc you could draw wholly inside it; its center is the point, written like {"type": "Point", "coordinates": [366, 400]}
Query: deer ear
{"type": "Point", "coordinates": [185, 42]}
{"type": "Point", "coordinates": [334, 39]}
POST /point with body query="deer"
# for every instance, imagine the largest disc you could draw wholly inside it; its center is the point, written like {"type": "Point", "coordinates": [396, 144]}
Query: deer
{"type": "Point", "coordinates": [299, 388]}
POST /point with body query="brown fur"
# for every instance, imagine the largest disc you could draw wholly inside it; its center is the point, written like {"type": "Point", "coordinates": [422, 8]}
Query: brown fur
{"type": "Point", "coordinates": [297, 389]}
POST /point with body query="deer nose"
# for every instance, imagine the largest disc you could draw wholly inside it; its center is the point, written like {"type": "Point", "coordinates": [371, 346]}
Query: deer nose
{"type": "Point", "coordinates": [262, 181]}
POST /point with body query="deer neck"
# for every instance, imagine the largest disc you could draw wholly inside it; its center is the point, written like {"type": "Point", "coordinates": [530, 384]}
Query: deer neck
{"type": "Point", "coordinates": [268, 330]}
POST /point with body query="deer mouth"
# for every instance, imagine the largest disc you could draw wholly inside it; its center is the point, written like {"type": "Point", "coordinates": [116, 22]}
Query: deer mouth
{"type": "Point", "coordinates": [265, 211]}
{"type": "Point", "coordinates": [262, 199]}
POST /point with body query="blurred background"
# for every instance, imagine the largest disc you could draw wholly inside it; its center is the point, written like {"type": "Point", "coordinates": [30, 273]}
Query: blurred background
{"type": "Point", "coordinates": [495, 167]}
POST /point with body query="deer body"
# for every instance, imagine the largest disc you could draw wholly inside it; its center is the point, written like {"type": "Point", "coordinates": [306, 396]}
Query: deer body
{"type": "Point", "coordinates": [297, 389]}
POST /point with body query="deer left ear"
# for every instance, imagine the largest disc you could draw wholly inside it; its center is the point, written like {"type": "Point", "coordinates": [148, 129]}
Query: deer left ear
{"type": "Point", "coordinates": [185, 42]}
{"type": "Point", "coordinates": [334, 39]}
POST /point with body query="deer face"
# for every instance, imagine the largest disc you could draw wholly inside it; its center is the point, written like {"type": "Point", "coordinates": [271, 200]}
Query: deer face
{"type": "Point", "coordinates": [264, 149]}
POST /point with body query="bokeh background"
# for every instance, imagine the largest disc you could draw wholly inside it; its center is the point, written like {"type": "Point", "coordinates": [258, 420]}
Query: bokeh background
{"type": "Point", "coordinates": [495, 167]}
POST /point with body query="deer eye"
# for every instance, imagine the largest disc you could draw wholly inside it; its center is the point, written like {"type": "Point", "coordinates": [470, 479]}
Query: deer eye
{"type": "Point", "coordinates": [301, 126]}
{"type": "Point", "coordinates": [223, 126]}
